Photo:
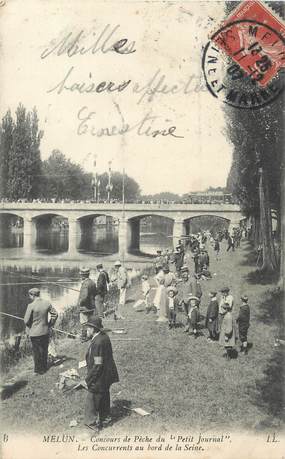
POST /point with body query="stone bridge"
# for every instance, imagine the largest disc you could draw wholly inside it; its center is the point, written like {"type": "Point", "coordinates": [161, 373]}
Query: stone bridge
{"type": "Point", "coordinates": [80, 217]}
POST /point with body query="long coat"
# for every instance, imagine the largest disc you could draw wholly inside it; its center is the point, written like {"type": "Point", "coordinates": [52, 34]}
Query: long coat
{"type": "Point", "coordinates": [213, 314]}
{"type": "Point", "coordinates": [243, 318]}
{"type": "Point", "coordinates": [101, 368]}
{"type": "Point", "coordinates": [228, 330]}
{"type": "Point", "coordinates": [86, 300]}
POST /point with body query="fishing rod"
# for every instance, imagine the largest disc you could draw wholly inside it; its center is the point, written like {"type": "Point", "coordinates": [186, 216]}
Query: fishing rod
{"type": "Point", "coordinates": [43, 280]}
{"type": "Point", "coordinates": [56, 329]}
{"type": "Point", "coordinates": [68, 333]}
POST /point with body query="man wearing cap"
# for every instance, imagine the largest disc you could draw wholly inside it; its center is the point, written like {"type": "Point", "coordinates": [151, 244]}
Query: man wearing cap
{"type": "Point", "coordinates": [102, 289]}
{"type": "Point", "coordinates": [86, 300]}
{"type": "Point", "coordinates": [122, 282]}
{"type": "Point", "coordinates": [243, 323]}
{"type": "Point", "coordinates": [39, 317]}
{"type": "Point", "coordinates": [101, 374]}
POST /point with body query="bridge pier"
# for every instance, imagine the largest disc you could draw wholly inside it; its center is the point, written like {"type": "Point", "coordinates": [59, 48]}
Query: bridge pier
{"type": "Point", "coordinates": [73, 230]}
{"type": "Point", "coordinates": [30, 235]}
{"type": "Point", "coordinates": [179, 230]}
{"type": "Point", "coordinates": [134, 229]}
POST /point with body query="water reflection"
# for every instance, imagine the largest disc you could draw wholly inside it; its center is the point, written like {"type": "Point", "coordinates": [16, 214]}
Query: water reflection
{"type": "Point", "coordinates": [16, 283]}
{"type": "Point", "coordinates": [52, 242]}
{"type": "Point", "coordinates": [104, 241]}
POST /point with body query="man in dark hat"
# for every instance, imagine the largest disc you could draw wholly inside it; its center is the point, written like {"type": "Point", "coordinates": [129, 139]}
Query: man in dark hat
{"type": "Point", "coordinates": [212, 316]}
{"type": "Point", "coordinates": [102, 289]}
{"type": "Point", "coordinates": [86, 300]}
{"type": "Point", "coordinates": [101, 374]}
{"type": "Point", "coordinates": [39, 317]}
{"type": "Point", "coordinates": [243, 323]}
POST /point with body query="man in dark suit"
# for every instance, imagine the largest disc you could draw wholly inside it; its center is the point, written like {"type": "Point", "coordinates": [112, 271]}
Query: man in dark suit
{"type": "Point", "coordinates": [102, 289]}
{"type": "Point", "coordinates": [86, 300]}
{"type": "Point", "coordinates": [101, 374]}
{"type": "Point", "coordinates": [39, 317]}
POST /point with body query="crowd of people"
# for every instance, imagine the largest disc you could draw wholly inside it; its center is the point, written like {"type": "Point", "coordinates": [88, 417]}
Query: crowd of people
{"type": "Point", "coordinates": [178, 277]}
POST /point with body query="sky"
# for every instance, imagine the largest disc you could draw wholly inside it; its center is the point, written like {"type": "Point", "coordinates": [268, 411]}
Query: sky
{"type": "Point", "coordinates": [168, 40]}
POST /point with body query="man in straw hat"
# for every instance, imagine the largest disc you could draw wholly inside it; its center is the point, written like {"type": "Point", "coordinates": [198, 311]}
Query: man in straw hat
{"type": "Point", "coordinates": [172, 305]}
{"type": "Point", "coordinates": [86, 300]}
{"type": "Point", "coordinates": [122, 282]}
{"type": "Point", "coordinates": [101, 374]}
{"type": "Point", "coordinates": [39, 317]}
{"type": "Point", "coordinates": [193, 315]}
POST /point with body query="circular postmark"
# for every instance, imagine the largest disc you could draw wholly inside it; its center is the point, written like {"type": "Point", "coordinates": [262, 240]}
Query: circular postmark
{"type": "Point", "coordinates": [241, 64]}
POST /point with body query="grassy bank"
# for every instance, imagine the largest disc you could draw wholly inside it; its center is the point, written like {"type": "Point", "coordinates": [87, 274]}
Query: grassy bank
{"type": "Point", "coordinates": [184, 383]}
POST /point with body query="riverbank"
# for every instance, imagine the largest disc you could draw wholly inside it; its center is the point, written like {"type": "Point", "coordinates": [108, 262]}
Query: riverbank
{"type": "Point", "coordinates": [183, 383]}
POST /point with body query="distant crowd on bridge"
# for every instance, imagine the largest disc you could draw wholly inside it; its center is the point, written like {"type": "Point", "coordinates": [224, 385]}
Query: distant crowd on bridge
{"type": "Point", "coordinates": [227, 199]}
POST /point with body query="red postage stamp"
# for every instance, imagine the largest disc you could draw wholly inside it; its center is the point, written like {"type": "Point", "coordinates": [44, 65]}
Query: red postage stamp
{"type": "Point", "coordinates": [253, 37]}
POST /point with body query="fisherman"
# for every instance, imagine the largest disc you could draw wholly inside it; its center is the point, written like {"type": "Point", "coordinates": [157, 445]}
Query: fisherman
{"type": "Point", "coordinates": [86, 300]}
{"type": "Point", "coordinates": [102, 289]}
{"type": "Point", "coordinates": [40, 316]}
{"type": "Point", "coordinates": [101, 374]}
{"type": "Point", "coordinates": [122, 283]}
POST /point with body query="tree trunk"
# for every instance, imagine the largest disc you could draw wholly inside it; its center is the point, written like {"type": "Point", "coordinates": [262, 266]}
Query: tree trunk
{"type": "Point", "coordinates": [256, 232]}
{"type": "Point", "coordinates": [269, 257]}
{"type": "Point", "coordinates": [281, 282]}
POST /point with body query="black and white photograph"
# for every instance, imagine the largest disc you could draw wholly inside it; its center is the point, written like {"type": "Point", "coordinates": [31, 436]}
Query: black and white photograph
{"type": "Point", "coordinates": [142, 216]}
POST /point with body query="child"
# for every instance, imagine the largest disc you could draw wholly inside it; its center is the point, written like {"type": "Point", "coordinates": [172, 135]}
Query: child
{"type": "Point", "coordinates": [228, 331]}
{"type": "Point", "coordinates": [160, 302]}
{"type": "Point", "coordinates": [243, 323]}
{"type": "Point", "coordinates": [145, 293]}
{"type": "Point", "coordinates": [217, 248]}
{"type": "Point", "coordinates": [193, 315]}
{"type": "Point", "coordinates": [172, 306]}
{"type": "Point", "coordinates": [212, 316]}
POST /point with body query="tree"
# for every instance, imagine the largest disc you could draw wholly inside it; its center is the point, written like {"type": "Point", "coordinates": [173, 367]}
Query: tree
{"type": "Point", "coordinates": [63, 179]}
{"type": "Point", "coordinates": [6, 139]}
{"type": "Point", "coordinates": [258, 139]}
{"type": "Point", "coordinates": [163, 196]}
{"type": "Point", "coordinates": [20, 155]}
{"type": "Point", "coordinates": [132, 189]}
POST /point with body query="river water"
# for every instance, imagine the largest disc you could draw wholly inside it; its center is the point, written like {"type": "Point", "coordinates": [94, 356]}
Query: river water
{"type": "Point", "coordinates": [49, 262]}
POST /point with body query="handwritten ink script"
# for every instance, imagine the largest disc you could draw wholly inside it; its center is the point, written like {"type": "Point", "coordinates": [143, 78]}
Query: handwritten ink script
{"type": "Point", "coordinates": [81, 43]}
{"type": "Point", "coordinates": [86, 45]}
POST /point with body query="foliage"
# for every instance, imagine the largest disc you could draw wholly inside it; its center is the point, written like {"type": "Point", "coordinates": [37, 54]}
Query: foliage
{"type": "Point", "coordinates": [64, 179]}
{"type": "Point", "coordinates": [132, 189]}
{"type": "Point", "coordinates": [163, 196]}
{"type": "Point", "coordinates": [20, 155]}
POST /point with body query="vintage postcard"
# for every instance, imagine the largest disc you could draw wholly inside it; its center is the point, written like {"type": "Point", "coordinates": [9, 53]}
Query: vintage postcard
{"type": "Point", "coordinates": [142, 229]}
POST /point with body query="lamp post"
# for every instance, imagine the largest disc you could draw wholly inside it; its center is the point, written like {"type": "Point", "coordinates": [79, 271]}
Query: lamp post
{"type": "Point", "coordinates": [109, 186]}
{"type": "Point", "coordinates": [94, 179]}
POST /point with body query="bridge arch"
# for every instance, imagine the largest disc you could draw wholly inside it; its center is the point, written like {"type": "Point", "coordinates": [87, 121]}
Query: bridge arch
{"type": "Point", "coordinates": [202, 222]}
{"type": "Point", "coordinates": [140, 227]}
